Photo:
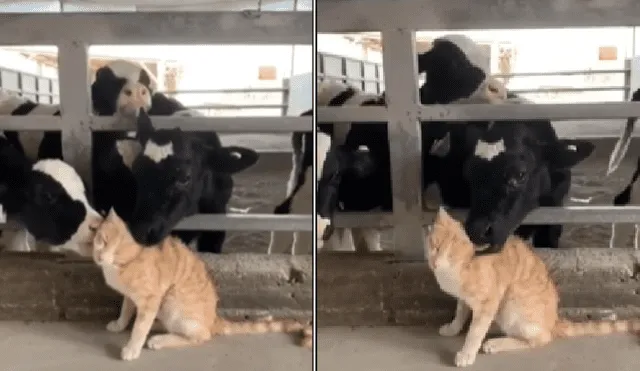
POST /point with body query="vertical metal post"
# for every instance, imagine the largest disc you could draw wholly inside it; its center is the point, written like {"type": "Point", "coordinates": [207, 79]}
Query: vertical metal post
{"type": "Point", "coordinates": [399, 59]}
{"type": "Point", "coordinates": [75, 108]}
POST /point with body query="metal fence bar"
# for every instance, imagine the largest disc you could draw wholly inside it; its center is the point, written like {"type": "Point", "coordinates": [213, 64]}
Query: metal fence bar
{"type": "Point", "coordinates": [561, 73]}
{"type": "Point", "coordinates": [247, 222]}
{"type": "Point", "coordinates": [237, 106]}
{"type": "Point", "coordinates": [219, 124]}
{"type": "Point", "coordinates": [265, 28]}
{"type": "Point", "coordinates": [271, 125]}
{"type": "Point", "coordinates": [542, 215]}
{"type": "Point", "coordinates": [349, 78]}
{"type": "Point", "coordinates": [404, 139]}
{"type": "Point", "coordinates": [470, 112]}
{"type": "Point", "coordinates": [75, 103]}
{"type": "Point", "coordinates": [569, 90]}
{"type": "Point", "coordinates": [226, 91]}
{"type": "Point", "coordinates": [339, 16]}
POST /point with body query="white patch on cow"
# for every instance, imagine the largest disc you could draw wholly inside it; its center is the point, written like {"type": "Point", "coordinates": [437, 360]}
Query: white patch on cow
{"type": "Point", "coordinates": [157, 153]}
{"type": "Point", "coordinates": [323, 144]}
{"type": "Point", "coordinates": [236, 155]}
{"type": "Point", "coordinates": [130, 70]}
{"type": "Point", "coordinates": [572, 147]}
{"type": "Point", "coordinates": [487, 150]}
{"type": "Point", "coordinates": [363, 148]}
{"type": "Point", "coordinates": [478, 56]}
{"type": "Point", "coordinates": [128, 151]}
{"type": "Point", "coordinates": [71, 182]}
{"type": "Point", "coordinates": [327, 90]}
{"type": "Point", "coordinates": [131, 134]}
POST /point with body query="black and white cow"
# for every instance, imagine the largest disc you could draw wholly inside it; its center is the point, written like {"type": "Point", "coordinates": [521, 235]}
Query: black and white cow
{"type": "Point", "coordinates": [358, 142]}
{"type": "Point", "coordinates": [155, 178]}
{"type": "Point", "coordinates": [468, 83]}
{"type": "Point", "coordinates": [48, 198]}
{"type": "Point", "coordinates": [630, 195]}
{"type": "Point", "coordinates": [299, 196]}
{"type": "Point", "coordinates": [464, 161]}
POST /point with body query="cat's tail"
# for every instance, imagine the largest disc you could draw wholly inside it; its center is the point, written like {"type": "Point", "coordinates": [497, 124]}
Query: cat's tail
{"type": "Point", "coordinates": [565, 328]}
{"type": "Point", "coordinates": [307, 337]}
{"type": "Point", "coordinates": [261, 326]}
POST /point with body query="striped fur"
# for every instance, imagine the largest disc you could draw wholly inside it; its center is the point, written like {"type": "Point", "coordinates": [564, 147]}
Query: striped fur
{"type": "Point", "coordinates": [226, 327]}
{"type": "Point", "coordinates": [565, 328]}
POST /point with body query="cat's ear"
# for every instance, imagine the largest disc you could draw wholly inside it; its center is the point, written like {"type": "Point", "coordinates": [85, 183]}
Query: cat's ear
{"type": "Point", "coordinates": [112, 214]}
{"type": "Point", "coordinates": [442, 215]}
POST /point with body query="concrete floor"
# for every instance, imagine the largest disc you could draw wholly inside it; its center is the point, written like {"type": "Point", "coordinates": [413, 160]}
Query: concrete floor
{"type": "Point", "coordinates": [411, 348]}
{"type": "Point", "coordinates": [81, 347]}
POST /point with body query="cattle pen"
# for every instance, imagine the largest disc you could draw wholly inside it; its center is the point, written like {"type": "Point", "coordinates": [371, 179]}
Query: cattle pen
{"type": "Point", "coordinates": [394, 286]}
{"type": "Point", "coordinates": [43, 286]}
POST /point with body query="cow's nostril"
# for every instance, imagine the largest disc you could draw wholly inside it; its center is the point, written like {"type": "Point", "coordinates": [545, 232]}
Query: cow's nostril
{"type": "Point", "coordinates": [488, 231]}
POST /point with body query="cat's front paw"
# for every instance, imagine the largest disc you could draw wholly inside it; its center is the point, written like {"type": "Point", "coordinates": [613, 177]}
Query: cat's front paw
{"type": "Point", "coordinates": [130, 352]}
{"type": "Point", "coordinates": [464, 358]}
{"type": "Point", "coordinates": [116, 326]}
{"type": "Point", "coordinates": [449, 329]}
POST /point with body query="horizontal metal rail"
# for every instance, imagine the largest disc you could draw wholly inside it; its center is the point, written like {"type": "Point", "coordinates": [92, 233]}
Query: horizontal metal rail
{"type": "Point", "coordinates": [247, 222]}
{"type": "Point", "coordinates": [248, 27]}
{"type": "Point", "coordinates": [350, 78]}
{"type": "Point", "coordinates": [225, 91]}
{"type": "Point", "coordinates": [218, 124]}
{"type": "Point", "coordinates": [561, 73]}
{"type": "Point", "coordinates": [470, 112]}
{"type": "Point", "coordinates": [237, 106]}
{"type": "Point", "coordinates": [543, 215]}
{"type": "Point", "coordinates": [344, 16]}
{"type": "Point", "coordinates": [569, 90]}
{"type": "Point", "coordinates": [233, 222]}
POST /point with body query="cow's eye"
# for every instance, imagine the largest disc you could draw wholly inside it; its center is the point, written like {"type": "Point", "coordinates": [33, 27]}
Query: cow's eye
{"type": "Point", "coordinates": [520, 175]}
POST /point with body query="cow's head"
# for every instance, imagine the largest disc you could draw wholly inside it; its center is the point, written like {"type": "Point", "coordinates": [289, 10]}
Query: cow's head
{"type": "Point", "coordinates": [49, 198]}
{"type": "Point", "coordinates": [172, 173]}
{"type": "Point", "coordinates": [509, 171]}
{"type": "Point", "coordinates": [122, 87]}
{"type": "Point", "coordinates": [454, 74]}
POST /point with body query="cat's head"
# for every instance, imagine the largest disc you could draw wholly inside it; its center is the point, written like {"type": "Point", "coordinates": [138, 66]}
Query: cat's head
{"type": "Point", "coordinates": [113, 244]}
{"type": "Point", "coordinates": [446, 243]}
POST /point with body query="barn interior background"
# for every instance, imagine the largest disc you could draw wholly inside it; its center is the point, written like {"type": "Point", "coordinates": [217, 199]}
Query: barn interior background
{"type": "Point", "coordinates": [569, 65]}
{"type": "Point", "coordinates": [577, 59]}
{"type": "Point", "coordinates": [246, 82]}
{"type": "Point", "coordinates": [198, 76]}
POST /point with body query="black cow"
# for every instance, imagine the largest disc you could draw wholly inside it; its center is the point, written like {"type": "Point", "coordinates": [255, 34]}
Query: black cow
{"type": "Point", "coordinates": [155, 178]}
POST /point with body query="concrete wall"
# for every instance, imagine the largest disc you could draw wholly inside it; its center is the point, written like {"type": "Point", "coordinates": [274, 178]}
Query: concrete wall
{"type": "Point", "coordinates": [43, 287]}
{"type": "Point", "coordinates": [376, 289]}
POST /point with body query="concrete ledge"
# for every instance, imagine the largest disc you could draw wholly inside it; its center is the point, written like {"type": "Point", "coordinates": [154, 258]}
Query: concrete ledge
{"type": "Point", "coordinates": [378, 289]}
{"type": "Point", "coordinates": [45, 287]}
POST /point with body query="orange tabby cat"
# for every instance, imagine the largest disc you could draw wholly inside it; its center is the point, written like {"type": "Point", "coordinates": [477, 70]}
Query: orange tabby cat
{"type": "Point", "coordinates": [512, 288]}
{"type": "Point", "coordinates": [171, 283]}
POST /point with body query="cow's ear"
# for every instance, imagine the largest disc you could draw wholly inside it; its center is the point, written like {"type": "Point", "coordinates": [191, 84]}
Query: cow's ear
{"type": "Point", "coordinates": [144, 126]}
{"type": "Point", "coordinates": [567, 153]}
{"type": "Point", "coordinates": [232, 159]}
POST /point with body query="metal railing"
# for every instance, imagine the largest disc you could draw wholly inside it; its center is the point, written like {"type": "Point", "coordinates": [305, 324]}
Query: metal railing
{"type": "Point", "coordinates": [398, 22]}
{"type": "Point", "coordinates": [77, 123]}
{"type": "Point", "coordinates": [45, 90]}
